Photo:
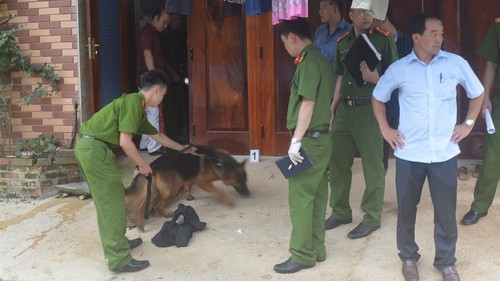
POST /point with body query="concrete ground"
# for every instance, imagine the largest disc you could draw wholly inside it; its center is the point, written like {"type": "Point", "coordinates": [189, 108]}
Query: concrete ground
{"type": "Point", "coordinates": [57, 238]}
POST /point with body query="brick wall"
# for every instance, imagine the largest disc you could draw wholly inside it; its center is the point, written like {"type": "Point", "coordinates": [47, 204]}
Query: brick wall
{"type": "Point", "coordinates": [37, 178]}
{"type": "Point", "coordinates": [50, 35]}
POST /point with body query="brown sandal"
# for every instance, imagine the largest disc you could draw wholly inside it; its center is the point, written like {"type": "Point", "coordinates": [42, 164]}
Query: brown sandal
{"type": "Point", "coordinates": [463, 174]}
{"type": "Point", "coordinates": [475, 172]}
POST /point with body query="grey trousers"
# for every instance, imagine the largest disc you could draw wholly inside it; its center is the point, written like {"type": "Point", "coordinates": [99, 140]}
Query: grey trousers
{"type": "Point", "coordinates": [442, 178]}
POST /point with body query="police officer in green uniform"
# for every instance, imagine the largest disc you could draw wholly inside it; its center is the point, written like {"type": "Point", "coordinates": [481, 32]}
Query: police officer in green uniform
{"type": "Point", "coordinates": [114, 125]}
{"type": "Point", "coordinates": [487, 181]}
{"type": "Point", "coordinates": [307, 119]}
{"type": "Point", "coordinates": [354, 126]}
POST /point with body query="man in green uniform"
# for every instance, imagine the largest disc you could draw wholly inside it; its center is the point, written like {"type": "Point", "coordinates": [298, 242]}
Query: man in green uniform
{"type": "Point", "coordinates": [114, 125]}
{"type": "Point", "coordinates": [354, 126]}
{"type": "Point", "coordinates": [307, 119]}
{"type": "Point", "coordinates": [487, 181]}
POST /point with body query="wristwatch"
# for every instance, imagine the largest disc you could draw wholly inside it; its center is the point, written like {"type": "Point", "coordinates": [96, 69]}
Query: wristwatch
{"type": "Point", "coordinates": [469, 122]}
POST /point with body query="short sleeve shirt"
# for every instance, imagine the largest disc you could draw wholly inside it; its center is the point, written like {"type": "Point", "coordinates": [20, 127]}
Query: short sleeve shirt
{"type": "Point", "coordinates": [326, 42]}
{"type": "Point", "coordinates": [312, 80]}
{"type": "Point", "coordinates": [385, 46]}
{"type": "Point", "coordinates": [125, 114]}
{"type": "Point", "coordinates": [428, 103]}
{"type": "Point", "coordinates": [490, 48]}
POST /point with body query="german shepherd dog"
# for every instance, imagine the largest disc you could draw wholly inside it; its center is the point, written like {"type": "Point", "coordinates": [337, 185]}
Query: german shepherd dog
{"type": "Point", "coordinates": [173, 170]}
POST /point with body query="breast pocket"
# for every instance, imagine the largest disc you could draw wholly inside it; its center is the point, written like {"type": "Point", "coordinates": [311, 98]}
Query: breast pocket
{"type": "Point", "coordinates": [447, 90]}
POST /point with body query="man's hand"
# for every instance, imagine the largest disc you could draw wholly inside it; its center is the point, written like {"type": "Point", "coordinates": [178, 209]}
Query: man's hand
{"type": "Point", "coordinates": [189, 149]}
{"type": "Point", "coordinates": [330, 124]}
{"type": "Point", "coordinates": [369, 76]}
{"type": "Point", "coordinates": [460, 132]}
{"type": "Point", "coordinates": [486, 105]}
{"type": "Point", "coordinates": [293, 153]}
{"type": "Point", "coordinates": [145, 169]}
{"type": "Point", "coordinates": [394, 138]}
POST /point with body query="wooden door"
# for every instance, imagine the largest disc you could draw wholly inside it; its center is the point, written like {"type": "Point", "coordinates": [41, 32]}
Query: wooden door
{"type": "Point", "coordinates": [476, 17]}
{"type": "Point", "coordinates": [278, 140]}
{"type": "Point", "coordinates": [217, 69]}
{"type": "Point", "coordinates": [92, 45]}
{"type": "Point", "coordinates": [111, 22]}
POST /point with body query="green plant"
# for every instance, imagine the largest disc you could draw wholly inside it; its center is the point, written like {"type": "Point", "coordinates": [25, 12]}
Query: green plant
{"type": "Point", "coordinates": [13, 60]}
{"type": "Point", "coordinates": [38, 147]}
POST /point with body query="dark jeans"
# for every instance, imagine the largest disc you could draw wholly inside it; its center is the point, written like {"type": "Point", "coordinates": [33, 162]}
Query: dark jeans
{"type": "Point", "coordinates": [442, 178]}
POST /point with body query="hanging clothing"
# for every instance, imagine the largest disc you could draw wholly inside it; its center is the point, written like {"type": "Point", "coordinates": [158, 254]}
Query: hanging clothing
{"type": "Point", "coordinates": [255, 7]}
{"type": "Point", "coordinates": [180, 7]}
{"type": "Point", "coordinates": [240, 2]}
{"type": "Point", "coordinates": [233, 9]}
{"type": "Point", "coordinates": [289, 10]}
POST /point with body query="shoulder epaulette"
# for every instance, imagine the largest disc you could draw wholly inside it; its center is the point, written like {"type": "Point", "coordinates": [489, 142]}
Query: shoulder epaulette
{"type": "Point", "coordinates": [497, 20]}
{"type": "Point", "coordinates": [299, 58]}
{"type": "Point", "coordinates": [382, 31]}
{"type": "Point", "coordinates": [343, 36]}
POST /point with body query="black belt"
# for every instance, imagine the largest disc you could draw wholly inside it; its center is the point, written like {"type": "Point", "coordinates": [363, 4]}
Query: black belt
{"type": "Point", "coordinates": [357, 102]}
{"type": "Point", "coordinates": [314, 133]}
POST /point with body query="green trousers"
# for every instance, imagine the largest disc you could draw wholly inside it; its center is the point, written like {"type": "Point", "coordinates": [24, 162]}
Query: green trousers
{"type": "Point", "coordinates": [307, 200]}
{"type": "Point", "coordinates": [487, 182]}
{"type": "Point", "coordinates": [97, 163]}
{"type": "Point", "coordinates": [356, 127]}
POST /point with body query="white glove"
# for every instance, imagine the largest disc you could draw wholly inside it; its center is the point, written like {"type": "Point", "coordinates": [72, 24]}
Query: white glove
{"type": "Point", "coordinates": [293, 152]}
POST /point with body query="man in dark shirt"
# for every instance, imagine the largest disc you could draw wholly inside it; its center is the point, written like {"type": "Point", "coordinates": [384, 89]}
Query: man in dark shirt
{"type": "Point", "coordinates": [149, 57]}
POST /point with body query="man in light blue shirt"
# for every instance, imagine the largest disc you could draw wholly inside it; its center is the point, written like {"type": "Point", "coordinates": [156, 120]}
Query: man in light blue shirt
{"type": "Point", "coordinates": [334, 26]}
{"type": "Point", "coordinates": [426, 141]}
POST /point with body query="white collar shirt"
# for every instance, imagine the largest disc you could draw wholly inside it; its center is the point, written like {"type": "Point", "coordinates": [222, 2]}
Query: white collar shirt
{"type": "Point", "coordinates": [428, 103]}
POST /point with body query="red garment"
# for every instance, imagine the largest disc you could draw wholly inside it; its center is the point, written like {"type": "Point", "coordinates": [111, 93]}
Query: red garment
{"type": "Point", "coordinates": [149, 39]}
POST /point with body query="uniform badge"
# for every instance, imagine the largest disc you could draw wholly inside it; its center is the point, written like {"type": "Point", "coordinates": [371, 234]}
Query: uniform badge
{"type": "Point", "coordinates": [343, 36]}
{"type": "Point", "coordinates": [382, 31]}
{"type": "Point", "coordinates": [299, 58]}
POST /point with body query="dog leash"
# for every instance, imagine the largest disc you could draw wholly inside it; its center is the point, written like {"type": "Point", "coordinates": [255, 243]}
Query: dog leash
{"type": "Point", "coordinates": [150, 180]}
{"type": "Point", "coordinates": [148, 197]}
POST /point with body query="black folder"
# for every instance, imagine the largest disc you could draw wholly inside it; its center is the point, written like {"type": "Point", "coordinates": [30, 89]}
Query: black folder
{"type": "Point", "coordinates": [361, 50]}
{"type": "Point", "coordinates": [288, 169]}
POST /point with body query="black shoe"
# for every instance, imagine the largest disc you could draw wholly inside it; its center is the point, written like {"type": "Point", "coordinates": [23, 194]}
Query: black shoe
{"type": "Point", "coordinates": [159, 151]}
{"type": "Point", "coordinates": [134, 243]}
{"type": "Point", "coordinates": [332, 222]}
{"type": "Point", "coordinates": [362, 230]}
{"type": "Point", "coordinates": [290, 266]}
{"type": "Point", "coordinates": [473, 217]}
{"type": "Point", "coordinates": [143, 149]}
{"type": "Point", "coordinates": [133, 266]}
